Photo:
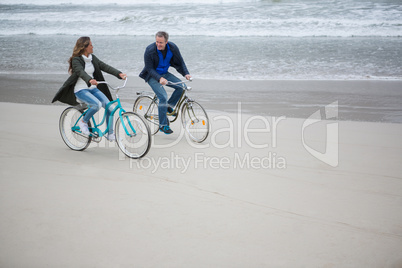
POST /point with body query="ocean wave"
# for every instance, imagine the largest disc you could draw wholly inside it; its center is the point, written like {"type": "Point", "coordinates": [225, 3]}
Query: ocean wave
{"type": "Point", "coordinates": [186, 26]}
{"type": "Point", "coordinates": [220, 57]}
{"type": "Point", "coordinates": [231, 18]}
{"type": "Point", "coordinates": [120, 2]}
{"type": "Point", "coordinates": [127, 31]}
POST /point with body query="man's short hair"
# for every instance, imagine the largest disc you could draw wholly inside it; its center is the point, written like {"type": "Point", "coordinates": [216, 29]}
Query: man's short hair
{"type": "Point", "coordinates": [162, 34]}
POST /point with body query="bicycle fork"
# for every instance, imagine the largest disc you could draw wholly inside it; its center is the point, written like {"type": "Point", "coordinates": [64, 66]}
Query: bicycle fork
{"type": "Point", "coordinates": [133, 132]}
{"type": "Point", "coordinates": [190, 112]}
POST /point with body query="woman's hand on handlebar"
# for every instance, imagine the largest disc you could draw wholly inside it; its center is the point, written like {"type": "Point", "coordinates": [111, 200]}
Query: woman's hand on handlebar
{"type": "Point", "coordinates": [123, 76]}
{"type": "Point", "coordinates": [188, 77]}
{"type": "Point", "coordinates": [93, 82]}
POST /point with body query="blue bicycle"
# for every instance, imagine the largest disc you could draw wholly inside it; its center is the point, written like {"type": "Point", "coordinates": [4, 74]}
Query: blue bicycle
{"type": "Point", "coordinates": [132, 133]}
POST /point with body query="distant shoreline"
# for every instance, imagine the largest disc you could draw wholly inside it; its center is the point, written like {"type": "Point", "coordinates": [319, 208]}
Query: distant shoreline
{"type": "Point", "coordinates": [358, 100]}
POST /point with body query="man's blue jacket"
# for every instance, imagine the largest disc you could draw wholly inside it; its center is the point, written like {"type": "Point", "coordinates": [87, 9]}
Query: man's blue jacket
{"type": "Point", "coordinates": [151, 60]}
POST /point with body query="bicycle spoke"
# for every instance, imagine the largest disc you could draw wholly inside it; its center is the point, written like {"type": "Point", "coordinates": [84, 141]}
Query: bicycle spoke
{"type": "Point", "coordinates": [70, 131]}
{"type": "Point", "coordinates": [148, 108]}
{"type": "Point", "coordinates": [133, 135]}
{"type": "Point", "coordinates": [195, 121]}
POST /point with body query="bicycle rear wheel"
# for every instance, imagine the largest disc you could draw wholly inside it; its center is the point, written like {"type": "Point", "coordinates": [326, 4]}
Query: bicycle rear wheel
{"type": "Point", "coordinates": [195, 121]}
{"type": "Point", "coordinates": [132, 135]}
{"type": "Point", "coordinates": [148, 108]}
{"type": "Point", "coordinates": [70, 131]}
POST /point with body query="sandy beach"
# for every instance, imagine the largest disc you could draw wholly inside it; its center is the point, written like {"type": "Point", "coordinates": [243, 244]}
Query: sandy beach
{"type": "Point", "coordinates": [266, 189]}
{"type": "Point", "coordinates": [301, 168]}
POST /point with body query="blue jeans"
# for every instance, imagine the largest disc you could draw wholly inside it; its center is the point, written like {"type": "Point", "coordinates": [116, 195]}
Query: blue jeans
{"type": "Point", "coordinates": [95, 99]}
{"type": "Point", "coordinates": [160, 92]}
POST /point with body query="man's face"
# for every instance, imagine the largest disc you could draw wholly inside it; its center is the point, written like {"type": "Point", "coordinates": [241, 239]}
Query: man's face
{"type": "Point", "coordinates": [160, 43]}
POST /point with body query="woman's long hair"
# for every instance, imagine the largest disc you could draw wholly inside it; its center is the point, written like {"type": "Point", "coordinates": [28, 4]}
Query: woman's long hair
{"type": "Point", "coordinates": [80, 46]}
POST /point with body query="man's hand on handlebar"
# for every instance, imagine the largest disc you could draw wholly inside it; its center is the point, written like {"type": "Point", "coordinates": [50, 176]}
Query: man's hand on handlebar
{"type": "Point", "coordinates": [163, 81]}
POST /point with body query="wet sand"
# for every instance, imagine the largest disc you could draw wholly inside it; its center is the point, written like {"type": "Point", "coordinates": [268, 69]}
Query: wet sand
{"type": "Point", "coordinates": [363, 100]}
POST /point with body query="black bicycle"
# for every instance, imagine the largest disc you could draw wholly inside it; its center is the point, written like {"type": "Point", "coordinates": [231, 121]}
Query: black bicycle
{"type": "Point", "coordinates": [193, 116]}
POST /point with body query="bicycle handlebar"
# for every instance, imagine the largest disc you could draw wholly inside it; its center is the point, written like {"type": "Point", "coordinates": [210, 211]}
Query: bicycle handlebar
{"type": "Point", "coordinates": [178, 83]}
{"type": "Point", "coordinates": [114, 88]}
{"type": "Point", "coordinates": [181, 82]}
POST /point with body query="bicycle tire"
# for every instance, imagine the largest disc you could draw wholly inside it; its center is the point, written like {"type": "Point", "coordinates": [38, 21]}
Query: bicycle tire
{"type": "Point", "coordinates": [70, 132]}
{"type": "Point", "coordinates": [195, 121]}
{"type": "Point", "coordinates": [137, 142]}
{"type": "Point", "coordinates": [148, 109]}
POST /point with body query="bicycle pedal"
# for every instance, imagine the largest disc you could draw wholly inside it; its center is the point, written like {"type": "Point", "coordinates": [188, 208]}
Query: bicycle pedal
{"type": "Point", "coordinates": [79, 133]}
{"type": "Point", "coordinates": [97, 139]}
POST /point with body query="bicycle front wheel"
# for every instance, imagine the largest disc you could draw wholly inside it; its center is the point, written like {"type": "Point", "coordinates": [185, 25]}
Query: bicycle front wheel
{"type": "Point", "coordinates": [148, 108]}
{"type": "Point", "coordinates": [132, 135]}
{"type": "Point", "coordinates": [195, 121]}
{"type": "Point", "coordinates": [70, 131]}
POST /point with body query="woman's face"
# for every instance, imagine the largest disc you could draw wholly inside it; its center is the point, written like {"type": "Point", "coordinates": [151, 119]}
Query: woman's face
{"type": "Point", "coordinates": [89, 49]}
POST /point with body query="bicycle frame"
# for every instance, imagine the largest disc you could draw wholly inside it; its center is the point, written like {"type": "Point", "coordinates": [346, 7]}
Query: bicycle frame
{"type": "Point", "coordinates": [95, 131]}
{"type": "Point", "coordinates": [183, 99]}
{"type": "Point", "coordinates": [193, 117]}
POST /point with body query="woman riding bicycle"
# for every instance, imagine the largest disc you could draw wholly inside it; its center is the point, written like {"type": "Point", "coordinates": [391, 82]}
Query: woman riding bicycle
{"type": "Point", "coordinates": [86, 70]}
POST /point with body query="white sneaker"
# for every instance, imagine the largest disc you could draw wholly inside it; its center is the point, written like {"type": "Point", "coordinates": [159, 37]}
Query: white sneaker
{"type": "Point", "coordinates": [110, 137]}
{"type": "Point", "coordinates": [84, 127]}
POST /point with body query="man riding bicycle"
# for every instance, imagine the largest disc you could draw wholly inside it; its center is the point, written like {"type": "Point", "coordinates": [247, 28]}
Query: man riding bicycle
{"type": "Point", "coordinates": [158, 57]}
